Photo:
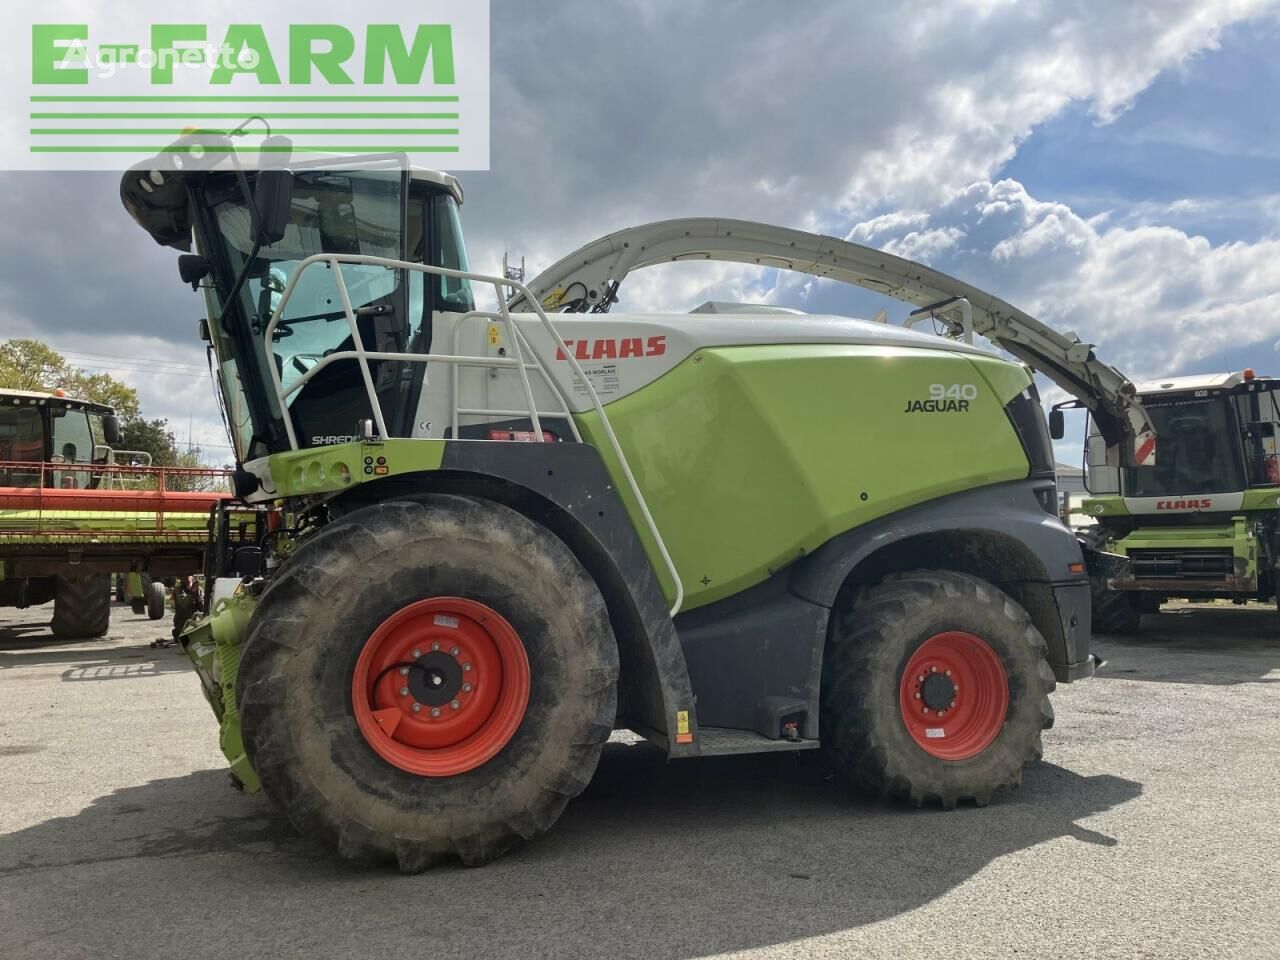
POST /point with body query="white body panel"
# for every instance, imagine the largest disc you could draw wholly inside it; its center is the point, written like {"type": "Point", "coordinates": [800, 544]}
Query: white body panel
{"type": "Point", "coordinates": [620, 354]}
{"type": "Point", "coordinates": [1209, 503]}
{"type": "Point", "coordinates": [1203, 381]}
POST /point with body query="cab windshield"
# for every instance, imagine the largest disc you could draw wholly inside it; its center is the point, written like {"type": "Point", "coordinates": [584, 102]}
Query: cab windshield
{"type": "Point", "coordinates": [1198, 450]}
{"type": "Point", "coordinates": [362, 213]}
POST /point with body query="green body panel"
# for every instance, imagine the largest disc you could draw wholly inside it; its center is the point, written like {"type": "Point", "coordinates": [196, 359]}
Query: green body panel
{"type": "Point", "coordinates": [1236, 536]}
{"type": "Point", "coordinates": [752, 456]}
{"type": "Point", "coordinates": [1261, 498]}
{"type": "Point", "coordinates": [334, 468]}
{"type": "Point", "coordinates": [1104, 506]}
{"type": "Point", "coordinates": [213, 644]}
{"type": "Point", "coordinates": [68, 526]}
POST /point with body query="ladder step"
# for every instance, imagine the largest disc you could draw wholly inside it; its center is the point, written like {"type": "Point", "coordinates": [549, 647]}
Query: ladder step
{"type": "Point", "coordinates": [715, 741]}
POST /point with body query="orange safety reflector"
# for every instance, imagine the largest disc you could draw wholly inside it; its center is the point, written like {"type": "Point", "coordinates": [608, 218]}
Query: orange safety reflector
{"type": "Point", "coordinates": [684, 738]}
{"type": "Point", "coordinates": [1075, 567]}
{"type": "Point", "coordinates": [1248, 373]}
{"type": "Point", "coordinates": [59, 392]}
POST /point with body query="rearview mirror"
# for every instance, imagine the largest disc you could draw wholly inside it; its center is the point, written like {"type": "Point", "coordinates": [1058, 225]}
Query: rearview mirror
{"type": "Point", "coordinates": [192, 268]}
{"type": "Point", "coordinates": [112, 431]}
{"type": "Point", "coordinates": [272, 197]}
{"type": "Point", "coordinates": [1057, 424]}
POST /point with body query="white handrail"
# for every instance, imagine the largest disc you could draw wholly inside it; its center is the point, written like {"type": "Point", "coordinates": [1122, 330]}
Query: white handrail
{"type": "Point", "coordinates": [499, 284]}
{"type": "Point", "coordinates": [514, 331]}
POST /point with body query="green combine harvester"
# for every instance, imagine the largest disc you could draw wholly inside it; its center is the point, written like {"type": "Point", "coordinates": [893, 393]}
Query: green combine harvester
{"type": "Point", "coordinates": [1201, 522]}
{"type": "Point", "coordinates": [498, 534]}
{"type": "Point", "coordinates": [74, 510]}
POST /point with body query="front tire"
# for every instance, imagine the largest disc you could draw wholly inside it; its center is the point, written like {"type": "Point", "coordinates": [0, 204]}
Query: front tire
{"type": "Point", "coordinates": [935, 690]}
{"type": "Point", "coordinates": [328, 724]}
{"type": "Point", "coordinates": [81, 607]}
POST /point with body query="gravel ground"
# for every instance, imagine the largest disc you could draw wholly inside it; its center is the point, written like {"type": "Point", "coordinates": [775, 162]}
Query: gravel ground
{"type": "Point", "coordinates": [1148, 831]}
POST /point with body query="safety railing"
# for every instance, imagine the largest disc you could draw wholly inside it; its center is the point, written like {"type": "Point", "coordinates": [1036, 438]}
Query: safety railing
{"type": "Point", "coordinates": [76, 503]}
{"type": "Point", "coordinates": [520, 344]}
{"type": "Point", "coordinates": [124, 474]}
{"type": "Point", "coordinates": [519, 363]}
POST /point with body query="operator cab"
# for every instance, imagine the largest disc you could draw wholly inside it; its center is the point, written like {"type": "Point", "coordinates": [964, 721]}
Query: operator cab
{"type": "Point", "coordinates": [1218, 436]}
{"type": "Point", "coordinates": [50, 428]}
{"type": "Point", "coordinates": [378, 210]}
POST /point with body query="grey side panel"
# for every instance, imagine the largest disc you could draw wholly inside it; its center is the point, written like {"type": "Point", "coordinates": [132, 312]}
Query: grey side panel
{"type": "Point", "coordinates": [1000, 533]}
{"type": "Point", "coordinates": [573, 477]}
{"type": "Point", "coordinates": [756, 658]}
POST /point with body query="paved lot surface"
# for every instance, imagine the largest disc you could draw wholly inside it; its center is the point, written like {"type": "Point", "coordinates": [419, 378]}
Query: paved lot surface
{"type": "Point", "coordinates": [1149, 831]}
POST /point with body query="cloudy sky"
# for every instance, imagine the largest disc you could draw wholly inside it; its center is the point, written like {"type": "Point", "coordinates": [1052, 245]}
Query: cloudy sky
{"type": "Point", "coordinates": [1112, 168]}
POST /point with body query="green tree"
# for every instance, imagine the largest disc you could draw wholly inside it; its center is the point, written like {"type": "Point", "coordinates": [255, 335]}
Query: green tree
{"type": "Point", "coordinates": [32, 365]}
{"type": "Point", "coordinates": [151, 436]}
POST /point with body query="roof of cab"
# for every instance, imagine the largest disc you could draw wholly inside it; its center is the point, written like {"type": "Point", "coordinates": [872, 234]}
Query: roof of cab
{"type": "Point", "coordinates": [1200, 381]}
{"type": "Point", "coordinates": [34, 396]}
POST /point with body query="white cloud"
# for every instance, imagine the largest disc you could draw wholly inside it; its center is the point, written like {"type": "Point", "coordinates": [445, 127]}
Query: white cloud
{"type": "Point", "coordinates": [1157, 300]}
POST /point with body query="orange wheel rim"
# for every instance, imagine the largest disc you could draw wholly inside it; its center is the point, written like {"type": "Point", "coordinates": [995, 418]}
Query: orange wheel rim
{"type": "Point", "coordinates": [441, 686]}
{"type": "Point", "coordinates": [954, 695]}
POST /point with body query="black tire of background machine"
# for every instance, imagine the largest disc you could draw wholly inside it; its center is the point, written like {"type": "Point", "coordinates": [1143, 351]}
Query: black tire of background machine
{"type": "Point", "coordinates": [81, 607]}
{"type": "Point", "coordinates": [1114, 611]}
{"type": "Point", "coordinates": [156, 597]}
{"type": "Point", "coordinates": [869, 646]}
{"type": "Point", "coordinates": [316, 615]}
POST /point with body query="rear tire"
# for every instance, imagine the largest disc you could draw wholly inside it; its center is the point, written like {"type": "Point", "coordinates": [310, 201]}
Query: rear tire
{"type": "Point", "coordinates": [311, 636]}
{"type": "Point", "coordinates": [869, 726]}
{"type": "Point", "coordinates": [1115, 611]}
{"type": "Point", "coordinates": [156, 597]}
{"type": "Point", "coordinates": [81, 607]}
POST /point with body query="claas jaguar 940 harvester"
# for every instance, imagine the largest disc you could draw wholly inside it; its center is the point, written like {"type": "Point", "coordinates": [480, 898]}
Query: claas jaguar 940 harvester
{"type": "Point", "coordinates": [509, 529]}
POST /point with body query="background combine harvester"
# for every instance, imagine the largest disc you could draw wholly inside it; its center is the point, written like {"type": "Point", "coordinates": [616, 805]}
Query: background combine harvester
{"type": "Point", "coordinates": [732, 532]}
{"type": "Point", "coordinates": [1201, 523]}
{"type": "Point", "coordinates": [74, 510]}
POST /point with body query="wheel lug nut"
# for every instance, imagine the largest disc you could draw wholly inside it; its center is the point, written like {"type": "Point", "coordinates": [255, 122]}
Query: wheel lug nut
{"type": "Point", "coordinates": [953, 703]}
{"type": "Point", "coordinates": [933, 669]}
{"type": "Point", "coordinates": [466, 688]}
{"type": "Point", "coordinates": [435, 646]}
{"type": "Point", "coordinates": [454, 652]}
{"type": "Point", "coordinates": [926, 709]}
{"type": "Point", "coordinates": [454, 704]}
{"type": "Point", "coordinates": [921, 678]}
{"type": "Point", "coordinates": [404, 671]}
{"type": "Point", "coordinates": [435, 711]}
{"type": "Point", "coordinates": [466, 667]}
{"type": "Point", "coordinates": [416, 653]}
{"type": "Point", "coordinates": [417, 707]}
{"type": "Point", "coordinates": [948, 673]}
{"type": "Point", "coordinates": [404, 691]}
{"type": "Point", "coordinates": [917, 696]}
